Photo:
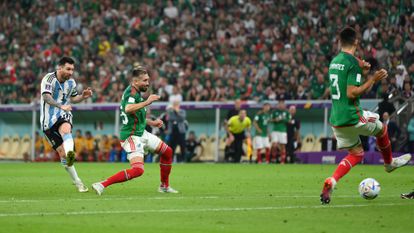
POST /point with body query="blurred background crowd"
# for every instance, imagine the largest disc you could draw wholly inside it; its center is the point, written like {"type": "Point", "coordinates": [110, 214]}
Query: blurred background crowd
{"type": "Point", "coordinates": [206, 50]}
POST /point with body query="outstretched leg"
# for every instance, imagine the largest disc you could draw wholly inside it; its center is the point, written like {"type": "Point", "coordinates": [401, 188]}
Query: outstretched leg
{"type": "Point", "coordinates": [354, 157]}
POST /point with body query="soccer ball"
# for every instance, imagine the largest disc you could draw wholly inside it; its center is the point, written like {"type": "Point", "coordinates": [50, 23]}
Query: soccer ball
{"type": "Point", "coordinates": [369, 188]}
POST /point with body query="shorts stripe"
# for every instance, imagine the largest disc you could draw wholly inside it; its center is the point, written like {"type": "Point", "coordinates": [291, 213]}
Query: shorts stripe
{"type": "Point", "coordinates": [131, 144]}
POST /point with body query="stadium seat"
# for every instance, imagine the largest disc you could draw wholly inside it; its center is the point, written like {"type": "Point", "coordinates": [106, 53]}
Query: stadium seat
{"type": "Point", "coordinates": [4, 146]}
{"type": "Point", "coordinates": [308, 143]}
{"type": "Point", "coordinates": [317, 147]}
{"type": "Point", "coordinates": [14, 147]}
{"type": "Point", "coordinates": [24, 147]}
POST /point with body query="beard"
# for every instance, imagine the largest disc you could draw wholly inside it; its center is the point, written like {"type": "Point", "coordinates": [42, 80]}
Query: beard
{"type": "Point", "coordinates": [143, 88]}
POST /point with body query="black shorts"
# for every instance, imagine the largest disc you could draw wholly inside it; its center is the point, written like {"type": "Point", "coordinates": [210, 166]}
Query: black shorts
{"type": "Point", "coordinates": [53, 135]}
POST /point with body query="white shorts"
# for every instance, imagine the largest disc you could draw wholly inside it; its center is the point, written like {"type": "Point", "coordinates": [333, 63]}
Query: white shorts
{"type": "Point", "coordinates": [348, 137]}
{"type": "Point", "coordinates": [136, 146]}
{"type": "Point", "coordinates": [261, 142]}
{"type": "Point", "coordinates": [279, 137]}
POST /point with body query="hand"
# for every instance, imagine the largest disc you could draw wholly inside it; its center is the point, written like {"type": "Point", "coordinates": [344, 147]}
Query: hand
{"type": "Point", "coordinates": [153, 98]}
{"type": "Point", "coordinates": [87, 93]}
{"type": "Point", "coordinates": [66, 108]}
{"type": "Point", "coordinates": [158, 123]}
{"type": "Point", "coordinates": [380, 75]}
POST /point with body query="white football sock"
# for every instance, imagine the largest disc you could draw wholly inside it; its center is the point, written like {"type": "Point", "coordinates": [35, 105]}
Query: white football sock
{"type": "Point", "coordinates": [68, 143]}
{"type": "Point", "coordinates": [73, 174]}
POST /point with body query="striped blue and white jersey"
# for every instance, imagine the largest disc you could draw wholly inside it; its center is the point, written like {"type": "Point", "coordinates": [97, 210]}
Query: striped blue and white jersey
{"type": "Point", "coordinates": [61, 93]}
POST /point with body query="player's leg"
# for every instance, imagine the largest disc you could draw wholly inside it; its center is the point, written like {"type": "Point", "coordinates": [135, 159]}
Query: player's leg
{"type": "Point", "coordinates": [166, 158]}
{"type": "Point", "coordinates": [374, 127]}
{"type": "Point", "coordinates": [347, 138]}
{"type": "Point", "coordinates": [274, 146]}
{"type": "Point", "coordinates": [283, 142]}
{"type": "Point", "coordinates": [65, 130]}
{"type": "Point", "coordinates": [135, 153]}
{"type": "Point", "coordinates": [266, 145]}
{"type": "Point", "coordinates": [258, 145]}
{"type": "Point", "coordinates": [56, 140]}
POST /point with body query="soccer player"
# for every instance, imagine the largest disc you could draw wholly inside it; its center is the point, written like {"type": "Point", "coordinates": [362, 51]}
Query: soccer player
{"type": "Point", "coordinates": [348, 120]}
{"type": "Point", "coordinates": [261, 139]}
{"type": "Point", "coordinates": [280, 118]}
{"type": "Point", "coordinates": [58, 91]}
{"type": "Point", "coordinates": [135, 139]}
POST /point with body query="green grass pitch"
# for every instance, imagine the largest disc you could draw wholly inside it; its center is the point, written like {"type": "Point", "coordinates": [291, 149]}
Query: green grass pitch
{"type": "Point", "coordinates": [39, 197]}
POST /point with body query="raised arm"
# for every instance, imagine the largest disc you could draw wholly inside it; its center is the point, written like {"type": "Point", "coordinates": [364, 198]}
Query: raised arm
{"type": "Point", "coordinates": [131, 108]}
{"type": "Point", "coordinates": [353, 92]}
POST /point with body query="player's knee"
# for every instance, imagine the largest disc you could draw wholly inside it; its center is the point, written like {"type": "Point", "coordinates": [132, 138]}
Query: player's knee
{"type": "Point", "coordinates": [136, 172]}
{"type": "Point", "coordinates": [382, 132]}
{"type": "Point", "coordinates": [357, 151]}
{"type": "Point", "coordinates": [137, 169]}
{"type": "Point", "coordinates": [65, 128]}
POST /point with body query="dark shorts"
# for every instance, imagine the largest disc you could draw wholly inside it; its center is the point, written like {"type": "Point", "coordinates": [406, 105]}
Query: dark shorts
{"type": "Point", "coordinates": [53, 135]}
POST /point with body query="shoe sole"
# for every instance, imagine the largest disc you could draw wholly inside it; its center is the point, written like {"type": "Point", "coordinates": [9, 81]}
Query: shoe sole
{"type": "Point", "coordinates": [70, 158]}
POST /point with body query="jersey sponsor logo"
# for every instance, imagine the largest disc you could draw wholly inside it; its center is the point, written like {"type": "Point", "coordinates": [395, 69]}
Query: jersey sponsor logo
{"type": "Point", "coordinates": [131, 100]}
{"type": "Point", "coordinates": [335, 66]}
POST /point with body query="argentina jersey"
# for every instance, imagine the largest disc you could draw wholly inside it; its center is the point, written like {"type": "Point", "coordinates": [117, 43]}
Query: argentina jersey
{"type": "Point", "coordinates": [61, 93]}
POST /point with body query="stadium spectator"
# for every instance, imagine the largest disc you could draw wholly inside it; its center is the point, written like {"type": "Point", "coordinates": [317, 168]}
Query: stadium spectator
{"type": "Point", "coordinates": [89, 147]}
{"type": "Point", "coordinates": [293, 135]}
{"type": "Point", "coordinates": [193, 146]}
{"type": "Point", "coordinates": [393, 130]}
{"type": "Point", "coordinates": [80, 146]}
{"type": "Point", "coordinates": [193, 43]}
{"type": "Point", "coordinates": [177, 128]}
{"type": "Point", "coordinates": [385, 106]}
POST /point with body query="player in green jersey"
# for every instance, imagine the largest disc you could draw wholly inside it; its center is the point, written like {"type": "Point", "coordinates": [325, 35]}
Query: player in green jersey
{"type": "Point", "coordinates": [348, 120]}
{"type": "Point", "coordinates": [280, 117]}
{"type": "Point", "coordinates": [135, 139]}
{"type": "Point", "coordinates": [261, 139]}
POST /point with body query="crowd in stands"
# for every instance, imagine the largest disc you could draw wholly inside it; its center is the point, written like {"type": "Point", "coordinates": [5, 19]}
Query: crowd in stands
{"type": "Point", "coordinates": [206, 50]}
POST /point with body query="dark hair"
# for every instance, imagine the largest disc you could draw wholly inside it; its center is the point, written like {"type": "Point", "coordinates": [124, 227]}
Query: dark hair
{"type": "Point", "coordinates": [347, 36]}
{"type": "Point", "coordinates": [65, 60]}
{"type": "Point", "coordinates": [138, 71]}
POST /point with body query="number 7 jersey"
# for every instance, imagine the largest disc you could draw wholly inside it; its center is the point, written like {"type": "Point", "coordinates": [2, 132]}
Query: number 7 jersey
{"type": "Point", "coordinates": [344, 71]}
{"type": "Point", "coordinates": [133, 123]}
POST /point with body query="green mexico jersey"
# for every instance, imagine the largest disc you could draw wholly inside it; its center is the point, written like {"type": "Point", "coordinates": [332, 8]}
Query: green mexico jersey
{"type": "Point", "coordinates": [133, 123]}
{"type": "Point", "coordinates": [262, 120]}
{"type": "Point", "coordinates": [283, 116]}
{"type": "Point", "coordinates": [344, 71]}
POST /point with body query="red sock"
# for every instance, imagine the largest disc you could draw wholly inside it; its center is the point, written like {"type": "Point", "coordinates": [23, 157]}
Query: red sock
{"type": "Point", "coordinates": [267, 155]}
{"type": "Point", "coordinates": [346, 164]}
{"type": "Point", "coordinates": [282, 157]}
{"type": "Point", "coordinates": [259, 156]}
{"type": "Point", "coordinates": [384, 145]}
{"type": "Point", "coordinates": [166, 157]}
{"type": "Point", "coordinates": [137, 169]}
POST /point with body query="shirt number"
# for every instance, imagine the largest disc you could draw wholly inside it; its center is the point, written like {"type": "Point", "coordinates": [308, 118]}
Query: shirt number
{"type": "Point", "coordinates": [334, 83]}
{"type": "Point", "coordinates": [124, 117]}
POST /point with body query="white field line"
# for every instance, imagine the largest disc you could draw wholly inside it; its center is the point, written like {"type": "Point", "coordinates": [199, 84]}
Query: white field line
{"type": "Point", "coordinates": [235, 209]}
{"type": "Point", "coordinates": [12, 200]}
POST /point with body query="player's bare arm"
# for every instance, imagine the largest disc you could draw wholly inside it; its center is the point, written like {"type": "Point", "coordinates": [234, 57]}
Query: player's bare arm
{"type": "Point", "coordinates": [85, 94]}
{"type": "Point", "coordinates": [155, 123]}
{"type": "Point", "coordinates": [256, 126]}
{"type": "Point", "coordinates": [353, 92]}
{"type": "Point", "coordinates": [47, 97]}
{"type": "Point", "coordinates": [131, 108]}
